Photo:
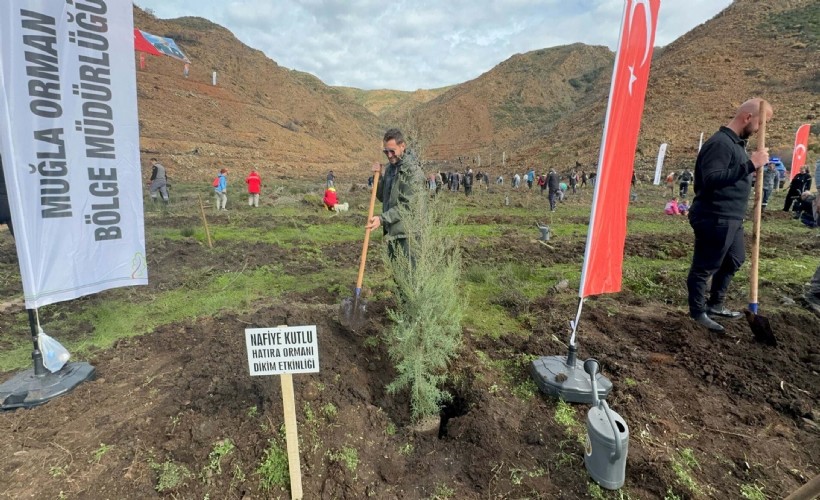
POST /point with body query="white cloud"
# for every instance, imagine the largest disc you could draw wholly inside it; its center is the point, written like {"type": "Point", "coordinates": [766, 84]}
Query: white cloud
{"type": "Point", "coordinates": [411, 44]}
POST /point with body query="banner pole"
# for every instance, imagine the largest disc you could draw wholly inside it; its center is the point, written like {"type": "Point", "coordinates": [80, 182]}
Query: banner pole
{"type": "Point", "coordinates": [36, 355]}
{"type": "Point", "coordinates": [574, 323]}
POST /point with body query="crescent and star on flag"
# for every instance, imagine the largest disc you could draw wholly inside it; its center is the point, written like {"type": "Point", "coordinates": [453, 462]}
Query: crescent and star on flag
{"type": "Point", "coordinates": [648, 19]}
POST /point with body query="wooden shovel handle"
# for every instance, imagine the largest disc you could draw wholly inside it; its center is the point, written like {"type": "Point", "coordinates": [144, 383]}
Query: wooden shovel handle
{"type": "Point", "coordinates": [360, 278]}
{"type": "Point", "coordinates": [758, 209]}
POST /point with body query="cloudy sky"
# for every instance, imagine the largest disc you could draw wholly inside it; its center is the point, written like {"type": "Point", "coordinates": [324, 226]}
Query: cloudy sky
{"type": "Point", "coordinates": [408, 45]}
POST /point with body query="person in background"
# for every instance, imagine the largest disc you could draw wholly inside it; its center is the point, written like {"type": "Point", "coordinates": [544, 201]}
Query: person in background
{"type": "Point", "coordinates": [670, 183]}
{"type": "Point", "coordinates": [683, 207]}
{"type": "Point", "coordinates": [553, 182]}
{"type": "Point", "coordinates": [331, 179]}
{"type": "Point", "coordinates": [770, 177]}
{"type": "Point", "coordinates": [158, 182]}
{"type": "Point", "coordinates": [583, 178]}
{"type": "Point", "coordinates": [330, 199]}
{"type": "Point", "coordinates": [800, 184]}
{"type": "Point", "coordinates": [685, 178]}
{"type": "Point", "coordinates": [722, 187]}
{"type": "Point", "coordinates": [221, 190]}
{"type": "Point", "coordinates": [468, 182]}
{"type": "Point", "coordinates": [516, 181]}
{"type": "Point", "coordinates": [671, 207]}
{"type": "Point", "coordinates": [573, 180]}
{"type": "Point", "coordinates": [530, 177]}
{"type": "Point", "coordinates": [254, 182]}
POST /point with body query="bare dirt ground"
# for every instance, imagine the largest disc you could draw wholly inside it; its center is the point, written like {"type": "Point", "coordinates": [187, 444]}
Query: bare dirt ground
{"type": "Point", "coordinates": [748, 412]}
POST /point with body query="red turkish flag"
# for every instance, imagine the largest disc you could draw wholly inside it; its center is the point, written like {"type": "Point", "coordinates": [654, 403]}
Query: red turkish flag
{"type": "Point", "coordinates": [801, 143]}
{"type": "Point", "coordinates": [603, 259]}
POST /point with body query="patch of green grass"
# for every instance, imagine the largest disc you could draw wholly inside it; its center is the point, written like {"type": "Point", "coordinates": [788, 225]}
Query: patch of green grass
{"type": "Point", "coordinates": [220, 450]}
{"type": "Point", "coordinates": [97, 455]}
{"type": "Point", "coordinates": [595, 491]}
{"type": "Point", "coordinates": [55, 471]}
{"type": "Point", "coordinates": [390, 430]}
{"type": "Point", "coordinates": [683, 464]}
{"type": "Point", "coordinates": [329, 411]}
{"type": "Point", "coordinates": [170, 475]}
{"type": "Point", "coordinates": [114, 319]}
{"type": "Point", "coordinates": [752, 492]}
{"type": "Point", "coordinates": [566, 417]}
{"type": "Point", "coordinates": [347, 456]}
{"type": "Point", "coordinates": [253, 411]}
{"type": "Point", "coordinates": [443, 492]}
{"type": "Point", "coordinates": [273, 470]}
{"type": "Point", "coordinates": [407, 449]}
{"type": "Point", "coordinates": [630, 382]}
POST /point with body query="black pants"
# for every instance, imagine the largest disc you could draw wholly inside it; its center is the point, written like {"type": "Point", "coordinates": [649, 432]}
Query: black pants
{"type": "Point", "coordinates": [719, 253]}
{"type": "Point", "coordinates": [792, 195]}
{"type": "Point", "coordinates": [684, 188]}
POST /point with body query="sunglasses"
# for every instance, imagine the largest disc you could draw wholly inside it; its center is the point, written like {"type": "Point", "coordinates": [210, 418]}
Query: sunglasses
{"type": "Point", "coordinates": [389, 152]}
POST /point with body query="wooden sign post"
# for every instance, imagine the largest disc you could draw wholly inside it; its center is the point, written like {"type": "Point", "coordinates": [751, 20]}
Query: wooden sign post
{"type": "Point", "coordinates": [283, 351]}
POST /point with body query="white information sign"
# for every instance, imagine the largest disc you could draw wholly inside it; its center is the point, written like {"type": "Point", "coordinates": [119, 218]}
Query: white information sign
{"type": "Point", "coordinates": [289, 349]}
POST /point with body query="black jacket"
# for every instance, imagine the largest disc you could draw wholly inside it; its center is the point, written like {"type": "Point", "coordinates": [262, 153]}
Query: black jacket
{"type": "Point", "coordinates": [722, 178]}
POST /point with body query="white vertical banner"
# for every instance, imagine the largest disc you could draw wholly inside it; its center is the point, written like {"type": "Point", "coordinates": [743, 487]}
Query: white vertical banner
{"type": "Point", "coordinates": [659, 164]}
{"type": "Point", "coordinates": [700, 142]}
{"type": "Point", "coordinates": [69, 140]}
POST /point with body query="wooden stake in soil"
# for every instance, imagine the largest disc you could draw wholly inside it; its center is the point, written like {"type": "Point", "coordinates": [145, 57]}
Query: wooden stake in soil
{"type": "Point", "coordinates": [291, 435]}
{"type": "Point", "coordinates": [283, 351]}
{"type": "Point", "coordinates": [205, 221]}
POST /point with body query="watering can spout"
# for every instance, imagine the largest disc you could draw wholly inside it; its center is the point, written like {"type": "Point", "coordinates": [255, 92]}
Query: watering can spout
{"type": "Point", "coordinates": [591, 367]}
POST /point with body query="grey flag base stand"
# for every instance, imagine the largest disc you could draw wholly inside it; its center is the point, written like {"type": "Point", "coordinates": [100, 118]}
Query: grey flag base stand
{"type": "Point", "coordinates": [37, 385]}
{"type": "Point", "coordinates": [565, 378]}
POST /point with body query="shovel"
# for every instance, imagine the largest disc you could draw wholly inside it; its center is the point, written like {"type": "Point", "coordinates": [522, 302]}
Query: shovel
{"type": "Point", "coordinates": [761, 329]}
{"type": "Point", "coordinates": [353, 310]}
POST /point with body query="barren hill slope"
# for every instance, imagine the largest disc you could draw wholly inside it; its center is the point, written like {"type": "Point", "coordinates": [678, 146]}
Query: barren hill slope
{"type": "Point", "coordinates": [505, 108]}
{"type": "Point", "coordinates": [259, 114]}
{"type": "Point", "coordinates": [389, 105]}
{"type": "Point", "coordinates": [752, 48]}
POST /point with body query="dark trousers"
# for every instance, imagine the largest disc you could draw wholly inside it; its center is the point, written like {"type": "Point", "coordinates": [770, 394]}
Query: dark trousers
{"type": "Point", "coordinates": [399, 245]}
{"type": "Point", "coordinates": [719, 253]}
{"type": "Point", "coordinates": [553, 197]}
{"type": "Point", "coordinates": [792, 195]}
{"type": "Point", "coordinates": [684, 188]}
{"type": "Point", "coordinates": [766, 193]}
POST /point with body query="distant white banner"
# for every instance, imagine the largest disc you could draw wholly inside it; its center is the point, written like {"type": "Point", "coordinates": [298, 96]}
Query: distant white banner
{"type": "Point", "coordinates": [69, 141]}
{"type": "Point", "coordinates": [659, 164]}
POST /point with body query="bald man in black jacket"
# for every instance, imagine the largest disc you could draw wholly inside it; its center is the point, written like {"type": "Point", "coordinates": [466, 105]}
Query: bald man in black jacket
{"type": "Point", "coordinates": [722, 186]}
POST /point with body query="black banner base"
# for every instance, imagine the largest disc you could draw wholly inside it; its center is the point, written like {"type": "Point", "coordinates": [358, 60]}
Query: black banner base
{"type": "Point", "coordinates": [27, 390]}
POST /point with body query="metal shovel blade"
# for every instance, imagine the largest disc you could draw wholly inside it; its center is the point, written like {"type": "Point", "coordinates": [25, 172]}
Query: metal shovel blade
{"type": "Point", "coordinates": [353, 313]}
{"type": "Point", "coordinates": [761, 329]}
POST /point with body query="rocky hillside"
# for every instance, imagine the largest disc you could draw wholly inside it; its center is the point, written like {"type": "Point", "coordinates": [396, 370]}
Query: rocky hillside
{"type": "Point", "coordinates": [508, 107]}
{"type": "Point", "coordinates": [752, 48]}
{"type": "Point", "coordinates": [542, 107]}
{"type": "Point", "coordinates": [259, 114]}
{"type": "Point", "coordinates": [390, 105]}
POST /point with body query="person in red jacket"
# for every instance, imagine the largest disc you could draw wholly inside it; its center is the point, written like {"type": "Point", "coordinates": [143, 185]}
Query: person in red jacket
{"type": "Point", "coordinates": [254, 183]}
{"type": "Point", "coordinates": [330, 198]}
